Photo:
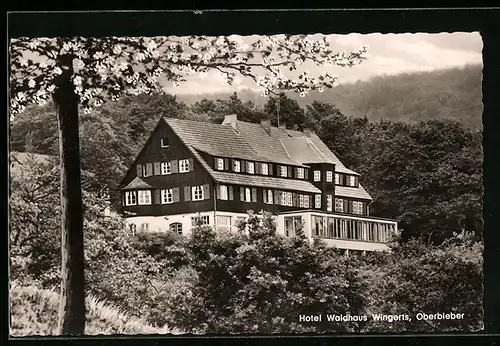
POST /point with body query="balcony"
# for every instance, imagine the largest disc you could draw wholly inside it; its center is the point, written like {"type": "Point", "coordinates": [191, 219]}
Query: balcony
{"type": "Point", "coordinates": [349, 232]}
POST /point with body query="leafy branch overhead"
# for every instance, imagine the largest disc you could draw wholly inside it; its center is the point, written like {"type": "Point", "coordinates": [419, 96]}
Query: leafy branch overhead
{"type": "Point", "coordinates": [102, 68]}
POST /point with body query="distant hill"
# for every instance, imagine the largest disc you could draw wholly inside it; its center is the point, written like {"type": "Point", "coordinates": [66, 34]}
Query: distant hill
{"type": "Point", "coordinates": [454, 93]}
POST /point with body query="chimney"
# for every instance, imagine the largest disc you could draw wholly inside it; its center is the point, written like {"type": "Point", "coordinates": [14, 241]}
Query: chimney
{"type": "Point", "coordinates": [266, 125]}
{"type": "Point", "coordinates": [308, 132]}
{"type": "Point", "coordinates": [232, 120]}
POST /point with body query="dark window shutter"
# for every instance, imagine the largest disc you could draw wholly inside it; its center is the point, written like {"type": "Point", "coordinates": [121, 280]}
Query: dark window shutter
{"type": "Point", "coordinates": [206, 191]}
{"type": "Point", "coordinates": [157, 168]}
{"type": "Point", "coordinates": [242, 194]}
{"type": "Point", "coordinates": [289, 172]}
{"type": "Point", "coordinates": [264, 195]}
{"type": "Point", "coordinates": [187, 193]}
{"type": "Point", "coordinates": [270, 169]}
{"type": "Point", "coordinates": [258, 169]}
{"type": "Point", "coordinates": [254, 195]}
{"type": "Point", "coordinates": [226, 164]}
{"type": "Point", "coordinates": [296, 172]}
{"type": "Point", "coordinates": [356, 181]}
{"type": "Point", "coordinates": [243, 166]}
{"type": "Point", "coordinates": [346, 206]}
{"type": "Point", "coordinates": [176, 194]}
{"type": "Point", "coordinates": [123, 198]}
{"type": "Point", "coordinates": [191, 164]}
{"type": "Point", "coordinates": [294, 200]}
{"type": "Point", "coordinates": [341, 179]}
{"type": "Point", "coordinates": [157, 196]}
{"type": "Point", "coordinates": [174, 165]}
{"type": "Point", "coordinates": [233, 164]}
{"type": "Point", "coordinates": [311, 205]}
{"type": "Point", "coordinates": [276, 197]}
{"type": "Point", "coordinates": [230, 193]}
{"type": "Point", "coordinates": [278, 170]}
{"type": "Point", "coordinates": [139, 170]}
{"type": "Point", "coordinates": [306, 174]}
{"type": "Point", "coordinates": [149, 169]}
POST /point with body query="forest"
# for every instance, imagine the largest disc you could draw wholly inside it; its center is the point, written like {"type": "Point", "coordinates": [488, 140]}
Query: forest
{"type": "Point", "coordinates": [416, 140]}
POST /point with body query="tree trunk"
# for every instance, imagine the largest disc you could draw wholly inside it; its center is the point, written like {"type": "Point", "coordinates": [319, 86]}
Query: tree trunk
{"type": "Point", "coordinates": [72, 304]}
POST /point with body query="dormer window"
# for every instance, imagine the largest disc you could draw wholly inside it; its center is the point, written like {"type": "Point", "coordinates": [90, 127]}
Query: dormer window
{"type": "Point", "coordinates": [300, 173]}
{"type": "Point", "coordinates": [317, 175]}
{"type": "Point", "coordinates": [236, 166]}
{"type": "Point", "coordinates": [265, 169]}
{"type": "Point", "coordinates": [220, 164]}
{"type": "Point", "coordinates": [251, 168]}
{"type": "Point", "coordinates": [283, 171]}
{"type": "Point", "coordinates": [351, 180]}
{"type": "Point", "coordinates": [165, 142]}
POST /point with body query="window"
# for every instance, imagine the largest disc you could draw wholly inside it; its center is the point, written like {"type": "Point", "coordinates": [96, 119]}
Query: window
{"type": "Point", "coordinates": [130, 198]}
{"type": "Point", "coordinates": [301, 201]}
{"type": "Point", "coordinates": [176, 227]}
{"type": "Point", "coordinates": [197, 193]}
{"type": "Point", "coordinates": [329, 176]}
{"type": "Point", "coordinates": [317, 175]}
{"type": "Point", "coordinates": [183, 166]}
{"type": "Point", "coordinates": [337, 179]}
{"type": "Point", "coordinates": [133, 227]}
{"type": "Point", "coordinates": [145, 227]}
{"type": "Point", "coordinates": [289, 199]}
{"type": "Point", "coordinates": [300, 173]}
{"type": "Point", "coordinates": [317, 201]}
{"type": "Point", "coordinates": [223, 192]}
{"type": "Point", "coordinates": [329, 202]}
{"type": "Point", "coordinates": [357, 207]}
{"type": "Point", "coordinates": [248, 194]}
{"type": "Point", "coordinates": [339, 205]}
{"type": "Point", "coordinates": [220, 164]}
{"type": "Point", "coordinates": [167, 196]}
{"type": "Point", "coordinates": [351, 180]}
{"type": "Point", "coordinates": [270, 196]}
{"type": "Point", "coordinates": [223, 222]}
{"type": "Point", "coordinates": [166, 168]}
{"type": "Point", "coordinates": [236, 166]}
{"type": "Point", "coordinates": [292, 225]}
{"type": "Point", "coordinates": [265, 169]}
{"type": "Point", "coordinates": [251, 168]}
{"type": "Point", "coordinates": [165, 142]}
{"type": "Point", "coordinates": [306, 201]}
{"type": "Point", "coordinates": [283, 171]}
{"type": "Point", "coordinates": [200, 220]}
{"type": "Point", "coordinates": [144, 197]}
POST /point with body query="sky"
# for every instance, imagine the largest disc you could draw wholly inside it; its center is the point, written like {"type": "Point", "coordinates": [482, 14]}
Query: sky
{"type": "Point", "coordinates": [388, 54]}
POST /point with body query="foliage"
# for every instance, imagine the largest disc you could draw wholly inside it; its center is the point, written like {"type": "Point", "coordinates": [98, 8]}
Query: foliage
{"type": "Point", "coordinates": [34, 312]}
{"type": "Point", "coordinates": [291, 115]}
{"type": "Point", "coordinates": [417, 278]}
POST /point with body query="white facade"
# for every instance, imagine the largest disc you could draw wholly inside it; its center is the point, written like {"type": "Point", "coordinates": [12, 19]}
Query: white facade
{"type": "Point", "coordinates": [357, 233]}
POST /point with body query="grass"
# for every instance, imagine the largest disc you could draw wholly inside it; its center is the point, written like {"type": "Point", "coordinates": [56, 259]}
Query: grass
{"type": "Point", "coordinates": [34, 312]}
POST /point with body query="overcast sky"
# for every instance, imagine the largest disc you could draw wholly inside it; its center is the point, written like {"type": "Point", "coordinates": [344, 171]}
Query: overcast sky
{"type": "Point", "coordinates": [388, 54]}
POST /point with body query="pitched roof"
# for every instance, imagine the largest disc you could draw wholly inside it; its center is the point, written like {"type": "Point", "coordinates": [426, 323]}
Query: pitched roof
{"type": "Point", "coordinates": [353, 192]}
{"type": "Point", "coordinates": [137, 183]}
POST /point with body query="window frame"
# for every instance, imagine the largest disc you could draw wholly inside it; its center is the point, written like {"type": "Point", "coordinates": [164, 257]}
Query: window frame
{"type": "Point", "coordinates": [337, 179]}
{"type": "Point", "coordinates": [339, 202]}
{"type": "Point", "coordinates": [184, 166]}
{"type": "Point", "coordinates": [205, 220]}
{"type": "Point", "coordinates": [329, 176]}
{"type": "Point", "coordinates": [270, 196]}
{"type": "Point", "coordinates": [329, 202]}
{"type": "Point", "coordinates": [284, 171]}
{"type": "Point", "coordinates": [317, 175]}
{"type": "Point", "coordinates": [223, 192]}
{"type": "Point", "coordinates": [300, 173]}
{"type": "Point", "coordinates": [237, 166]}
{"type": "Point", "coordinates": [266, 170]}
{"type": "Point", "coordinates": [130, 194]}
{"type": "Point", "coordinates": [197, 193]}
{"type": "Point", "coordinates": [166, 168]}
{"type": "Point", "coordinates": [162, 144]}
{"type": "Point", "coordinates": [178, 227]}
{"type": "Point", "coordinates": [317, 201]}
{"type": "Point", "coordinates": [248, 194]}
{"type": "Point", "coordinates": [165, 196]}
{"type": "Point", "coordinates": [144, 194]}
{"type": "Point", "coordinates": [252, 166]}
